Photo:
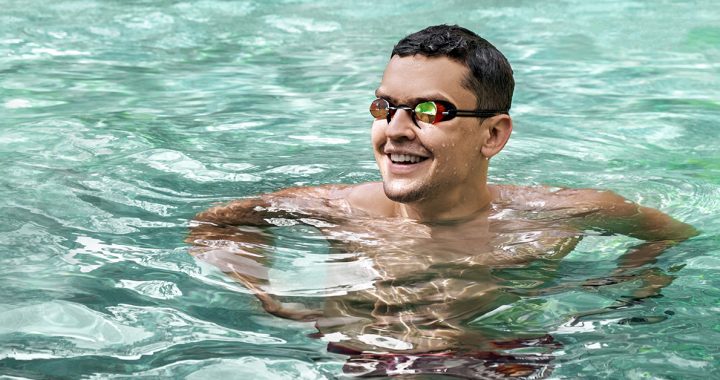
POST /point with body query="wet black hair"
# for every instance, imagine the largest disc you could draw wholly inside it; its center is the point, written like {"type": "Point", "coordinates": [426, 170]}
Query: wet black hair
{"type": "Point", "coordinates": [490, 76]}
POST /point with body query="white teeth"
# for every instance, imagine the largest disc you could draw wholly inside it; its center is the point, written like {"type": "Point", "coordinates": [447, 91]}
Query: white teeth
{"type": "Point", "coordinates": [394, 157]}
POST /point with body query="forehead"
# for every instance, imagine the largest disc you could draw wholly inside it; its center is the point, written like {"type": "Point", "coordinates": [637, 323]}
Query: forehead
{"type": "Point", "coordinates": [416, 77]}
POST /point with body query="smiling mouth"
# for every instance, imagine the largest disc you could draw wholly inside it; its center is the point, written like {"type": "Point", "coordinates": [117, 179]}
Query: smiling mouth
{"type": "Point", "coordinates": [405, 159]}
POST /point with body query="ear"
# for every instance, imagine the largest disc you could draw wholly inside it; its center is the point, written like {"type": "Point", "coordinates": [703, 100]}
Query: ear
{"type": "Point", "coordinates": [500, 128]}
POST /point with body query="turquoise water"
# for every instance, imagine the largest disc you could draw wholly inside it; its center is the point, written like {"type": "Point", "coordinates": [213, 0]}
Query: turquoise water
{"type": "Point", "coordinates": [121, 120]}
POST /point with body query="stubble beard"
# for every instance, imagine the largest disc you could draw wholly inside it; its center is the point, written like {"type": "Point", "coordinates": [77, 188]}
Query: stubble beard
{"type": "Point", "coordinates": [407, 192]}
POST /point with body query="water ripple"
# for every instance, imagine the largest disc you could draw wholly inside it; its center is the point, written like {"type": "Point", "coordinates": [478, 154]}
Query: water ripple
{"type": "Point", "coordinates": [123, 119]}
{"type": "Point", "coordinates": [175, 162]}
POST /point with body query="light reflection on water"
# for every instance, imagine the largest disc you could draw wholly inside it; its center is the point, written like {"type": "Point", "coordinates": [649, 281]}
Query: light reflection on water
{"type": "Point", "coordinates": [121, 121]}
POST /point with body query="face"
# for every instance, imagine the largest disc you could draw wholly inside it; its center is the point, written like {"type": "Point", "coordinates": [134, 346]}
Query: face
{"type": "Point", "coordinates": [424, 161]}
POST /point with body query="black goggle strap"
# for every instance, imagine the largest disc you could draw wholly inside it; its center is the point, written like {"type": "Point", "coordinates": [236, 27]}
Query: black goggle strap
{"type": "Point", "coordinates": [482, 113]}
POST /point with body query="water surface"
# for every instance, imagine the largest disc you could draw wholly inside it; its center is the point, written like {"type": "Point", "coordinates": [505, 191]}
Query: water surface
{"type": "Point", "coordinates": [121, 120]}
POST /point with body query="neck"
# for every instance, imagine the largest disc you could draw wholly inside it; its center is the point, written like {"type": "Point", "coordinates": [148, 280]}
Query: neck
{"type": "Point", "coordinates": [456, 205]}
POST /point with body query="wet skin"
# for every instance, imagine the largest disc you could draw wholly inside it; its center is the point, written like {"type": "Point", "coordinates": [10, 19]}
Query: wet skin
{"type": "Point", "coordinates": [427, 279]}
{"type": "Point", "coordinates": [431, 233]}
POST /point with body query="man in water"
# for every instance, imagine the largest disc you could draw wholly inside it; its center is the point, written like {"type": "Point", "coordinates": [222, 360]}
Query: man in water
{"type": "Point", "coordinates": [433, 230]}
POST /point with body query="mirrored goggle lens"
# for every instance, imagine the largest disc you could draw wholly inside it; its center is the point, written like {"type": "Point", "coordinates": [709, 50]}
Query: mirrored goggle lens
{"type": "Point", "coordinates": [427, 112]}
{"type": "Point", "coordinates": [380, 108]}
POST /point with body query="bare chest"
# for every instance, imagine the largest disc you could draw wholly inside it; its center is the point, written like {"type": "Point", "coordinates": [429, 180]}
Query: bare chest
{"type": "Point", "coordinates": [399, 247]}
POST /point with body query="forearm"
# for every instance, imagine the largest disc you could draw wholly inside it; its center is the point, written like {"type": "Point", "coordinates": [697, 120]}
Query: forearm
{"type": "Point", "coordinates": [643, 254]}
{"type": "Point", "coordinates": [659, 232]}
{"type": "Point", "coordinates": [237, 227]}
{"type": "Point", "coordinates": [232, 238]}
{"type": "Point", "coordinates": [635, 266]}
{"type": "Point", "coordinates": [653, 279]}
{"type": "Point", "coordinates": [666, 234]}
{"type": "Point", "coordinates": [252, 271]}
{"type": "Point", "coordinates": [295, 312]}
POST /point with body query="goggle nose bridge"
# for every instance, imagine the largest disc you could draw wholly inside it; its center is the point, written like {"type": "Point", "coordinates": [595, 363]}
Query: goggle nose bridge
{"type": "Point", "coordinates": [393, 109]}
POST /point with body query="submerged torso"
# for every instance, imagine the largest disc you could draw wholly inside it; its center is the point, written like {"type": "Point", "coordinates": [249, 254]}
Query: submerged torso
{"type": "Point", "coordinates": [424, 282]}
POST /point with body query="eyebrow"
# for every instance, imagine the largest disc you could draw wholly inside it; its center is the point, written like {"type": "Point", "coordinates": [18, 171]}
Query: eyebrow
{"type": "Point", "coordinates": [415, 100]}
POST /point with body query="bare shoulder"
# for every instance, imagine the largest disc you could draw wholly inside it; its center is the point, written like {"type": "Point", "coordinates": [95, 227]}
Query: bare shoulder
{"type": "Point", "coordinates": [254, 210]}
{"type": "Point", "coordinates": [542, 198]}
{"type": "Point", "coordinates": [597, 209]}
{"type": "Point", "coordinates": [364, 198]}
{"type": "Point", "coordinates": [369, 198]}
{"type": "Point", "coordinates": [323, 199]}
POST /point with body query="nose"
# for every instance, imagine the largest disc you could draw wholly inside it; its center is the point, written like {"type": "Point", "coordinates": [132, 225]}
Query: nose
{"type": "Point", "coordinates": [401, 126]}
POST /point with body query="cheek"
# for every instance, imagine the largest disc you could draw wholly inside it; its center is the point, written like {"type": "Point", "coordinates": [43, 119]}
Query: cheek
{"type": "Point", "coordinates": [377, 133]}
{"type": "Point", "coordinates": [470, 143]}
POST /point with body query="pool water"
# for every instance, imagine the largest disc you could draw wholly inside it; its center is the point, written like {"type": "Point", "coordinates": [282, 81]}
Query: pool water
{"type": "Point", "coordinates": [119, 121]}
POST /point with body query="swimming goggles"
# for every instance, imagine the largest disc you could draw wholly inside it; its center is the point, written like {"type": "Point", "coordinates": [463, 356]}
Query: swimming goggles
{"type": "Point", "coordinates": [429, 111]}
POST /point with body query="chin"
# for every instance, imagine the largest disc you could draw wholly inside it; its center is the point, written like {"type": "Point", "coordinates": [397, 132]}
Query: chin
{"type": "Point", "coordinates": [399, 191]}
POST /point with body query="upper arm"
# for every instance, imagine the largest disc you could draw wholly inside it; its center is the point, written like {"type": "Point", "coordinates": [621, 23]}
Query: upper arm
{"type": "Point", "coordinates": [615, 214]}
{"type": "Point", "coordinates": [241, 220]}
{"type": "Point", "coordinates": [293, 203]}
